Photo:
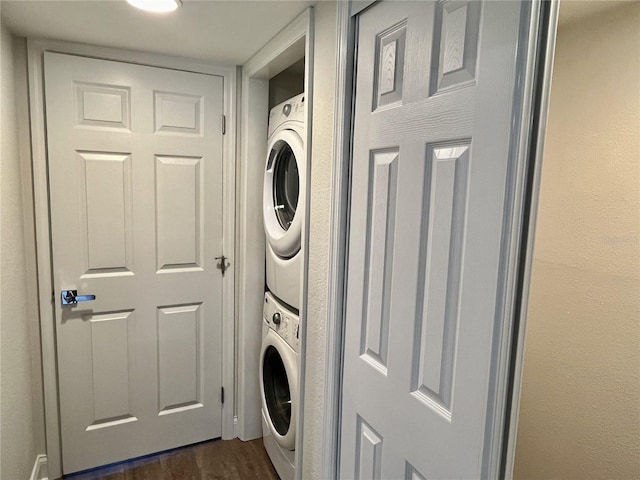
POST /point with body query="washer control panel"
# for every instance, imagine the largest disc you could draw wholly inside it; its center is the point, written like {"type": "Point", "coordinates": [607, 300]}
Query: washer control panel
{"type": "Point", "coordinates": [285, 322]}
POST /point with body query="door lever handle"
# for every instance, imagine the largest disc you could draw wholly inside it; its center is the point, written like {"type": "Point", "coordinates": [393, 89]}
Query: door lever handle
{"type": "Point", "coordinates": [71, 297]}
{"type": "Point", "coordinates": [222, 264]}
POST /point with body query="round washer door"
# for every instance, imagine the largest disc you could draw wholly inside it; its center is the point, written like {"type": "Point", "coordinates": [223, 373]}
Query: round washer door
{"type": "Point", "coordinates": [279, 388]}
{"type": "Point", "coordinates": [283, 193]}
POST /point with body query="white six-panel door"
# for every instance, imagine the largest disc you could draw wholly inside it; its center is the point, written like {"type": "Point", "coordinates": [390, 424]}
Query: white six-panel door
{"type": "Point", "coordinates": [431, 150]}
{"type": "Point", "coordinates": [135, 171]}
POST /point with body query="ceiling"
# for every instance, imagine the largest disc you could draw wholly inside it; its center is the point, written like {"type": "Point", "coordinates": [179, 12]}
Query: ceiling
{"type": "Point", "coordinates": [220, 31]}
{"type": "Point", "coordinates": [212, 30]}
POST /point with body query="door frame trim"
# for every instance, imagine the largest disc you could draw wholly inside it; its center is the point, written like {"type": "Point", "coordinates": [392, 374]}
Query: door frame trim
{"type": "Point", "coordinates": [271, 59]}
{"type": "Point", "coordinates": [339, 228]}
{"type": "Point", "coordinates": [40, 190]}
{"type": "Point", "coordinates": [518, 236]}
{"type": "Point", "coordinates": [542, 91]}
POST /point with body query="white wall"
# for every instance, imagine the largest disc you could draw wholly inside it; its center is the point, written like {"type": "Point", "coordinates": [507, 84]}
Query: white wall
{"type": "Point", "coordinates": [324, 78]}
{"type": "Point", "coordinates": [580, 404]}
{"type": "Point", "coordinates": [21, 412]}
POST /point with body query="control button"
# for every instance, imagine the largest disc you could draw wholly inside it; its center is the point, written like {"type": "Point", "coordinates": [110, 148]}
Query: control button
{"type": "Point", "coordinates": [286, 110]}
{"type": "Point", "coordinates": [276, 318]}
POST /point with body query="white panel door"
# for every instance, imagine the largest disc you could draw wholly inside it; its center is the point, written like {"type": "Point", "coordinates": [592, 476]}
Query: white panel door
{"type": "Point", "coordinates": [135, 172]}
{"type": "Point", "coordinates": [435, 85]}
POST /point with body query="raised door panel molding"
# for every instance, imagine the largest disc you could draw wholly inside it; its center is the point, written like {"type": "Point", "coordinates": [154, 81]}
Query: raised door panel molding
{"type": "Point", "coordinates": [107, 213]}
{"type": "Point", "coordinates": [112, 362]}
{"type": "Point", "coordinates": [413, 474]}
{"type": "Point", "coordinates": [389, 66]}
{"type": "Point", "coordinates": [178, 213]}
{"type": "Point", "coordinates": [455, 45]}
{"type": "Point", "coordinates": [179, 358]}
{"type": "Point", "coordinates": [368, 452]}
{"type": "Point", "coordinates": [439, 278]}
{"type": "Point", "coordinates": [178, 114]}
{"type": "Point", "coordinates": [381, 210]}
{"type": "Point", "coordinates": [103, 106]}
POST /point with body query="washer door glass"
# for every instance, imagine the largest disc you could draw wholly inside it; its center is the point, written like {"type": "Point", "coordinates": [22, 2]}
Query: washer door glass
{"type": "Point", "coordinates": [276, 390]}
{"type": "Point", "coordinates": [286, 183]}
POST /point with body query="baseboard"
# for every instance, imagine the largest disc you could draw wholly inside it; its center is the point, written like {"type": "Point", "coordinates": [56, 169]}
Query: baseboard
{"type": "Point", "coordinates": [39, 471]}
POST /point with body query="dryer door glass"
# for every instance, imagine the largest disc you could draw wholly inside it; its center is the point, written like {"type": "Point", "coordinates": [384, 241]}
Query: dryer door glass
{"type": "Point", "coordinates": [276, 390]}
{"type": "Point", "coordinates": [285, 183]}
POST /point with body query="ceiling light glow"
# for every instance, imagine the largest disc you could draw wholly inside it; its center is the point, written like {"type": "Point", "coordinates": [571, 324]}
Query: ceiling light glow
{"type": "Point", "coordinates": [156, 6]}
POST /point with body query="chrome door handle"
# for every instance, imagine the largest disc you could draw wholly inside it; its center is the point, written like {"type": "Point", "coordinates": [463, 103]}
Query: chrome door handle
{"type": "Point", "coordinates": [71, 297]}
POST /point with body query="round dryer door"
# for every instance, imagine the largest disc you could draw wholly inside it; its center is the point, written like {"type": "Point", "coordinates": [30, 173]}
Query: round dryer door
{"type": "Point", "coordinates": [283, 193]}
{"type": "Point", "coordinates": [278, 379]}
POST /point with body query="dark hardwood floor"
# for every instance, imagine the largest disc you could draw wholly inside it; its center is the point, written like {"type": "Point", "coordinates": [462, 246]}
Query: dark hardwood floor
{"type": "Point", "coordinates": [215, 460]}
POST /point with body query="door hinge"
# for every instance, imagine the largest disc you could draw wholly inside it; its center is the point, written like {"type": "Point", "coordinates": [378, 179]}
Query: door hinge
{"type": "Point", "coordinates": [224, 124]}
{"type": "Point", "coordinates": [222, 394]}
{"type": "Point", "coordinates": [222, 264]}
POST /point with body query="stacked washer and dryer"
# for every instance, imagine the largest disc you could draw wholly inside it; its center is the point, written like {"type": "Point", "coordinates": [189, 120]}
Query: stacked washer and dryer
{"type": "Point", "coordinates": [283, 208]}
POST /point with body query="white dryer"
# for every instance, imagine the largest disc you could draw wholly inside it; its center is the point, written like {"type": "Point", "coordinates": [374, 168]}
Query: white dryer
{"type": "Point", "coordinates": [283, 199]}
{"type": "Point", "coordinates": [279, 384]}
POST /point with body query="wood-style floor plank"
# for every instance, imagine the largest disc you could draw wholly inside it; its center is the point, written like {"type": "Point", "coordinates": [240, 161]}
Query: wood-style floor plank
{"type": "Point", "coordinates": [145, 469]}
{"type": "Point", "coordinates": [215, 460]}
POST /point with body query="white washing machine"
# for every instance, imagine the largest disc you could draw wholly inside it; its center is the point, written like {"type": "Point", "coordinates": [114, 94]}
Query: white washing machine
{"type": "Point", "coordinates": [283, 199]}
{"type": "Point", "coordinates": [279, 384]}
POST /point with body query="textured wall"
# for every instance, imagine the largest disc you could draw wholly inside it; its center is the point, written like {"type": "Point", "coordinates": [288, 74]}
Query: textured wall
{"type": "Point", "coordinates": [324, 77]}
{"type": "Point", "coordinates": [19, 441]}
{"type": "Point", "coordinates": [580, 410]}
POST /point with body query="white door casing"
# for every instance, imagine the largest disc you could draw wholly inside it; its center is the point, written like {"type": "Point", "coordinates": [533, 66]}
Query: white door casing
{"type": "Point", "coordinates": [434, 100]}
{"type": "Point", "coordinates": [135, 170]}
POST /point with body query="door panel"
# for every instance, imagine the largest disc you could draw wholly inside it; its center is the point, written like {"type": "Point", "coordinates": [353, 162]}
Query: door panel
{"type": "Point", "coordinates": [179, 357]}
{"type": "Point", "coordinates": [106, 198]}
{"type": "Point", "coordinates": [435, 83]}
{"type": "Point", "coordinates": [135, 169]}
{"type": "Point", "coordinates": [179, 210]}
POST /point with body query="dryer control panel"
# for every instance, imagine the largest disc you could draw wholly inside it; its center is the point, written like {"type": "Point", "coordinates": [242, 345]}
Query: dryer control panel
{"type": "Point", "coordinates": [285, 322]}
{"type": "Point", "coordinates": [292, 110]}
